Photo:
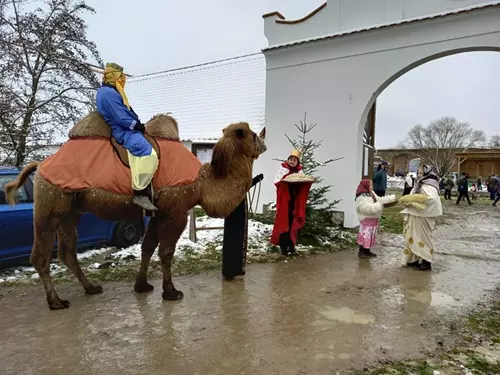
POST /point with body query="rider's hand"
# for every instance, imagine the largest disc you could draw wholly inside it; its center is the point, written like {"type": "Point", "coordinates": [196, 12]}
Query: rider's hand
{"type": "Point", "coordinates": [139, 127]}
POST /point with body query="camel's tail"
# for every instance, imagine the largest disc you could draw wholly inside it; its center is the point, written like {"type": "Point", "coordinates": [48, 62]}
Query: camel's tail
{"type": "Point", "coordinates": [11, 187]}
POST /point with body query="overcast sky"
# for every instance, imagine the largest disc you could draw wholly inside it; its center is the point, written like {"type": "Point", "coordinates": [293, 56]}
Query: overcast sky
{"type": "Point", "coordinates": [154, 35]}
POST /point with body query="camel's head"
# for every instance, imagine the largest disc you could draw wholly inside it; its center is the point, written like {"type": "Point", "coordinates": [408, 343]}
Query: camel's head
{"type": "Point", "coordinates": [237, 140]}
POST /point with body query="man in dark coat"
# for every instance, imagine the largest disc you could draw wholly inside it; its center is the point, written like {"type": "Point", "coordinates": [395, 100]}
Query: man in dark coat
{"type": "Point", "coordinates": [463, 188]}
{"type": "Point", "coordinates": [380, 179]}
{"type": "Point", "coordinates": [234, 248]}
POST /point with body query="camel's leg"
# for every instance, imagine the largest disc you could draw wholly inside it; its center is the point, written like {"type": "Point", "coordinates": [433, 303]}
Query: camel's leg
{"type": "Point", "coordinates": [68, 240]}
{"type": "Point", "coordinates": [40, 258]}
{"type": "Point", "coordinates": [149, 245]}
{"type": "Point", "coordinates": [170, 231]}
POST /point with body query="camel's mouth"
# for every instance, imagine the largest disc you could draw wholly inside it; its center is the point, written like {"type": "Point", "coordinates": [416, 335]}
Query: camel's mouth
{"type": "Point", "coordinates": [260, 146]}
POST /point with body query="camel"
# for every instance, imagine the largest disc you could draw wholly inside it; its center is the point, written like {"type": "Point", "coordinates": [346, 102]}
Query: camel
{"type": "Point", "coordinates": [218, 187]}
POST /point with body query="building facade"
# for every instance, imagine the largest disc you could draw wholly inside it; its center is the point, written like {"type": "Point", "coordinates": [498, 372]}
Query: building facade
{"type": "Point", "coordinates": [476, 162]}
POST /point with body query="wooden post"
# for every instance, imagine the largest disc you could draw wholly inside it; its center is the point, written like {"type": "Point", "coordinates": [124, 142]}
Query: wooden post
{"type": "Point", "coordinates": [459, 162]}
{"type": "Point", "coordinates": [192, 226]}
{"type": "Point", "coordinates": [372, 116]}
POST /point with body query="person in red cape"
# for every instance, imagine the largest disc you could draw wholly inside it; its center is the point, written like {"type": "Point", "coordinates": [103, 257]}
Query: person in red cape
{"type": "Point", "coordinates": [291, 201]}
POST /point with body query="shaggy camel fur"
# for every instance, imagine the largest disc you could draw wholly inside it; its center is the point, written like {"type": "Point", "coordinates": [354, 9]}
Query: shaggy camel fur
{"type": "Point", "coordinates": [220, 186]}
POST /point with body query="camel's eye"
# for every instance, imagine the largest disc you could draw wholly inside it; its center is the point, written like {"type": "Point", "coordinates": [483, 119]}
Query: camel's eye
{"type": "Point", "coordinates": [240, 133]}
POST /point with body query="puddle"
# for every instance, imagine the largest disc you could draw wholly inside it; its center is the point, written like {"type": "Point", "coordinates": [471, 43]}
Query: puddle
{"type": "Point", "coordinates": [441, 299]}
{"type": "Point", "coordinates": [347, 315]}
{"type": "Point", "coordinates": [432, 298]}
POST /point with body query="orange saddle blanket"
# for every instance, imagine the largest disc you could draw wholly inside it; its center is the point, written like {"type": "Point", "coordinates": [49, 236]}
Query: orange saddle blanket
{"type": "Point", "coordinates": [85, 163]}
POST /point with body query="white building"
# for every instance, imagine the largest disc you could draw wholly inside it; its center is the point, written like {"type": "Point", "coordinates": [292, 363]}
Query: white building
{"type": "Point", "coordinates": [204, 98]}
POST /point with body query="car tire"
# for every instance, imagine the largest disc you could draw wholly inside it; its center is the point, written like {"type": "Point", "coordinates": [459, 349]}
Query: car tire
{"type": "Point", "coordinates": [127, 233]}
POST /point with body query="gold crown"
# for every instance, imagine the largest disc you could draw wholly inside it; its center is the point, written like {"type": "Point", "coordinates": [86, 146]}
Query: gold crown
{"type": "Point", "coordinates": [296, 153]}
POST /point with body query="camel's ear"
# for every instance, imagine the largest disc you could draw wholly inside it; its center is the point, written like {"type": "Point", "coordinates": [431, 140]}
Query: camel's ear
{"type": "Point", "coordinates": [220, 159]}
{"type": "Point", "coordinates": [262, 133]}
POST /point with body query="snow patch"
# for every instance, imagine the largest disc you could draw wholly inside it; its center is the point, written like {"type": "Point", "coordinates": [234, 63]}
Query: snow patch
{"type": "Point", "coordinates": [258, 240]}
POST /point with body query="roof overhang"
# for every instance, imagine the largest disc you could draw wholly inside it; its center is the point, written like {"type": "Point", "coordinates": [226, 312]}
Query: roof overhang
{"type": "Point", "coordinates": [382, 26]}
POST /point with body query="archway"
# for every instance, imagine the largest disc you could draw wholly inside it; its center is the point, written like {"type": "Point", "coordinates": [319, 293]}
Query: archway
{"type": "Point", "coordinates": [370, 128]}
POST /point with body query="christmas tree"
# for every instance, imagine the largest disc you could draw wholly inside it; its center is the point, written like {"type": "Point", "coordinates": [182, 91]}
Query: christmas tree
{"type": "Point", "coordinates": [319, 210]}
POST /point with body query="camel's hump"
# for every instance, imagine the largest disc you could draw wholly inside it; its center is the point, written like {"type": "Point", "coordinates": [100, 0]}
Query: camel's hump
{"type": "Point", "coordinates": [93, 125]}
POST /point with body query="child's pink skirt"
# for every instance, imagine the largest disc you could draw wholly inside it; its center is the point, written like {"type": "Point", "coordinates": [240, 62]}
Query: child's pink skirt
{"type": "Point", "coordinates": [367, 233]}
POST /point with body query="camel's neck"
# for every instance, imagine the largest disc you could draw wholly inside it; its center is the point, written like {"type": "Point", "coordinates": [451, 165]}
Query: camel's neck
{"type": "Point", "coordinates": [220, 196]}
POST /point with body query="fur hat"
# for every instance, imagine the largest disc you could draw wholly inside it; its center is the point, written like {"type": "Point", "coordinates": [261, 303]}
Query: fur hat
{"type": "Point", "coordinates": [296, 153]}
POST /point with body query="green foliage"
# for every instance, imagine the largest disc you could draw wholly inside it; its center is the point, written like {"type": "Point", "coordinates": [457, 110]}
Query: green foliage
{"type": "Point", "coordinates": [319, 210]}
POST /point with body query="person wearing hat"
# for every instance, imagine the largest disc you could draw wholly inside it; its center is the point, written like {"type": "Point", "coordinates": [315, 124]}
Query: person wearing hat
{"type": "Point", "coordinates": [380, 179]}
{"type": "Point", "coordinates": [291, 201]}
{"type": "Point", "coordinates": [127, 129]}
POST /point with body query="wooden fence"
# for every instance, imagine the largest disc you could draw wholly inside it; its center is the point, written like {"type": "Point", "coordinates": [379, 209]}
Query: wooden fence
{"type": "Point", "coordinates": [192, 217]}
{"type": "Point", "coordinates": [193, 228]}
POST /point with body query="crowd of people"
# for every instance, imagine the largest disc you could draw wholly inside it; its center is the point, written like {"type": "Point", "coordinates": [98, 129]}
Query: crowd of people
{"type": "Point", "coordinates": [491, 185]}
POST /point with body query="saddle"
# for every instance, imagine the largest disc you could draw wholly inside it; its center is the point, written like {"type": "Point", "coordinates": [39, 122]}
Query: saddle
{"type": "Point", "coordinates": [122, 154]}
{"type": "Point", "coordinates": [94, 126]}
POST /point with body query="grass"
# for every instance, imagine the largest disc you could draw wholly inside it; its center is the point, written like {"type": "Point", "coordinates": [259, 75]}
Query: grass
{"type": "Point", "coordinates": [392, 220]}
{"type": "Point", "coordinates": [478, 333]}
{"type": "Point", "coordinates": [414, 368]}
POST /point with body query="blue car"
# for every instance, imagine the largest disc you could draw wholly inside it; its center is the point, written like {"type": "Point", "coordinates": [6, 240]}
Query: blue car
{"type": "Point", "coordinates": [16, 225]}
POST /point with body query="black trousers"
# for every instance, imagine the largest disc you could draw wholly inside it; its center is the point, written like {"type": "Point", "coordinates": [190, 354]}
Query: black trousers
{"type": "Point", "coordinates": [234, 248]}
{"type": "Point", "coordinates": [380, 193]}
{"type": "Point", "coordinates": [447, 194]}
{"type": "Point", "coordinates": [463, 194]}
{"type": "Point", "coordinates": [497, 198]}
{"type": "Point", "coordinates": [286, 243]}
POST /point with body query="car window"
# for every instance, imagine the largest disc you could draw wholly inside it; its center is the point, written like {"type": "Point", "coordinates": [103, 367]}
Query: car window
{"type": "Point", "coordinates": [21, 196]}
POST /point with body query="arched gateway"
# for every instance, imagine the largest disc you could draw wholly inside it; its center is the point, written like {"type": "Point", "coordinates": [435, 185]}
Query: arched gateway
{"type": "Point", "coordinates": [334, 62]}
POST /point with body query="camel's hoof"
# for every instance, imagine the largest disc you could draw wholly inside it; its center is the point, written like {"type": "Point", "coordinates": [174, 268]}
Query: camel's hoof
{"type": "Point", "coordinates": [59, 304]}
{"type": "Point", "coordinates": [172, 295]}
{"type": "Point", "coordinates": [143, 287]}
{"type": "Point", "coordinates": [94, 289]}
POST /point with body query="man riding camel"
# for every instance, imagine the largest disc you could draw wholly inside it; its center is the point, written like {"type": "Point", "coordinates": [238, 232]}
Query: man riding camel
{"type": "Point", "coordinates": [127, 129]}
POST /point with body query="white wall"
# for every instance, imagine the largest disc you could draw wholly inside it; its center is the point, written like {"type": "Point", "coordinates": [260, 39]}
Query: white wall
{"type": "Point", "coordinates": [336, 82]}
{"type": "Point", "coordinates": [343, 15]}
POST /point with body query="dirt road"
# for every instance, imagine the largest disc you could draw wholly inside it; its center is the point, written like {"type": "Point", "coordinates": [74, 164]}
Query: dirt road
{"type": "Point", "coordinates": [307, 316]}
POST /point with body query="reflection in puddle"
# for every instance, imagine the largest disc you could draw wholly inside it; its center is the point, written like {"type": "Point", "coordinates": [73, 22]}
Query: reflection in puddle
{"type": "Point", "coordinates": [347, 315]}
{"type": "Point", "coordinates": [433, 299]}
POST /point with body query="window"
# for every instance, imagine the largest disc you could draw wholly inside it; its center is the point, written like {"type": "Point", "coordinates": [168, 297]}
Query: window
{"type": "Point", "coordinates": [203, 152]}
{"type": "Point", "coordinates": [21, 196]}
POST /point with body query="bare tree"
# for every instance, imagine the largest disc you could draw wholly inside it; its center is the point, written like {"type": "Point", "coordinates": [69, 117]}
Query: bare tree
{"type": "Point", "coordinates": [46, 83]}
{"type": "Point", "coordinates": [495, 141]}
{"type": "Point", "coordinates": [438, 142]}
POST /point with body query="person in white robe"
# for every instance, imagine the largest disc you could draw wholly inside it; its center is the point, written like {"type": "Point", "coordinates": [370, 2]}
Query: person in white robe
{"type": "Point", "coordinates": [423, 206]}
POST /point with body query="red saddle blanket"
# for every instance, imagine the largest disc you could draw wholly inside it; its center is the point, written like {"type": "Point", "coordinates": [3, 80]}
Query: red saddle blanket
{"type": "Point", "coordinates": [83, 163]}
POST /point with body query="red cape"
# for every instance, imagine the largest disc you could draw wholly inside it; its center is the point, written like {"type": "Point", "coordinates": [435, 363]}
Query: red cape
{"type": "Point", "coordinates": [299, 218]}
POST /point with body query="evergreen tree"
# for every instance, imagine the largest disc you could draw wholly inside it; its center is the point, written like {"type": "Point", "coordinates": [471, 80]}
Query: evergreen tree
{"type": "Point", "coordinates": [319, 210]}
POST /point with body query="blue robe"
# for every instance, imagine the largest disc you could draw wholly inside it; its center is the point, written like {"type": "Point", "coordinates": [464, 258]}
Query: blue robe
{"type": "Point", "coordinates": [122, 121]}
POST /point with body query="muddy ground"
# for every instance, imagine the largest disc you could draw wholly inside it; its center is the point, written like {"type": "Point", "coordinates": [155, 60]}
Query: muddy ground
{"type": "Point", "coordinates": [323, 314]}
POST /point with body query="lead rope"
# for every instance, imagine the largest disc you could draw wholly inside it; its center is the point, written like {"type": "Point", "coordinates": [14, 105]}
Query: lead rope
{"type": "Point", "coordinates": [152, 198]}
{"type": "Point", "coordinates": [252, 198]}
